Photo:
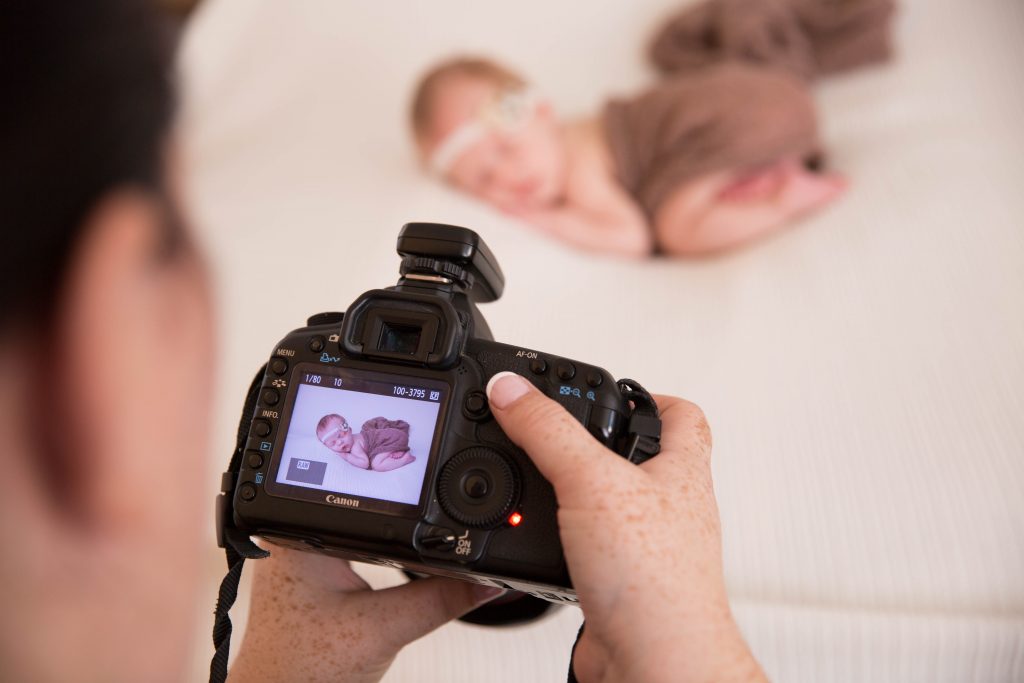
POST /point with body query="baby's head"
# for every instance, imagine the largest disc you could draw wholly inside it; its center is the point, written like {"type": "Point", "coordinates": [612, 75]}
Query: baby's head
{"type": "Point", "coordinates": [334, 432]}
{"type": "Point", "coordinates": [478, 125]}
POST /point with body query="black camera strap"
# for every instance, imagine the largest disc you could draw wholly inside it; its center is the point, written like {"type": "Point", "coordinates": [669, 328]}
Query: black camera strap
{"type": "Point", "coordinates": [643, 439]}
{"type": "Point", "coordinates": [237, 546]}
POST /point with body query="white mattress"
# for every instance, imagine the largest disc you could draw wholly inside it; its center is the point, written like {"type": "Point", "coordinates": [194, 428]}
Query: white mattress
{"type": "Point", "coordinates": [863, 373]}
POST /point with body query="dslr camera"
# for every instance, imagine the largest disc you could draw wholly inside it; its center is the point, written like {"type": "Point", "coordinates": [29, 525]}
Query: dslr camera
{"type": "Point", "coordinates": [368, 434]}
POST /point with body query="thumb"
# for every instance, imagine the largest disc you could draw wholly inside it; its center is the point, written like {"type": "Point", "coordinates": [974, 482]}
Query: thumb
{"type": "Point", "coordinates": [414, 609]}
{"type": "Point", "coordinates": [561, 448]}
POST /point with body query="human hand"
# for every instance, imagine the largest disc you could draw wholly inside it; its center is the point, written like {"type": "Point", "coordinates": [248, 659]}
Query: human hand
{"type": "Point", "coordinates": [643, 543]}
{"type": "Point", "coordinates": [314, 619]}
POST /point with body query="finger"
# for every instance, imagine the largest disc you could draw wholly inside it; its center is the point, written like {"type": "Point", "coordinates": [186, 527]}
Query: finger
{"type": "Point", "coordinates": [410, 611]}
{"type": "Point", "coordinates": [683, 425]}
{"type": "Point", "coordinates": [685, 439]}
{"type": "Point", "coordinates": [561, 448]}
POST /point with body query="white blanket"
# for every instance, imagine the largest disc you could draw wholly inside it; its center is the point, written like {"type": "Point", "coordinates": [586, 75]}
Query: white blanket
{"type": "Point", "coordinates": [863, 373]}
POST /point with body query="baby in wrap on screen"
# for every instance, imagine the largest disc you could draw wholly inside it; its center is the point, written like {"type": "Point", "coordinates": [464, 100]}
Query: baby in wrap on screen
{"type": "Point", "coordinates": [381, 445]}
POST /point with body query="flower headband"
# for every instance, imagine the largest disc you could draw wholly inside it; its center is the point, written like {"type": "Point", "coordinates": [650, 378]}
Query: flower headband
{"type": "Point", "coordinates": [508, 112]}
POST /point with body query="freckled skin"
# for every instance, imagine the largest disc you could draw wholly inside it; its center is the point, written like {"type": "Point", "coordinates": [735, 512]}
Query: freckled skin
{"type": "Point", "coordinates": [313, 619]}
{"type": "Point", "coordinates": [643, 545]}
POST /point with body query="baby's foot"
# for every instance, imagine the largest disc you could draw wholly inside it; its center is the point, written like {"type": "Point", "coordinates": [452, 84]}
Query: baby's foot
{"type": "Point", "coordinates": [803, 191]}
{"type": "Point", "coordinates": [385, 462]}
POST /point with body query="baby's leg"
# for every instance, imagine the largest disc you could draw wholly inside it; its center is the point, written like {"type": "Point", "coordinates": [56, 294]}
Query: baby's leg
{"type": "Point", "coordinates": [725, 210]}
{"type": "Point", "coordinates": [385, 462]}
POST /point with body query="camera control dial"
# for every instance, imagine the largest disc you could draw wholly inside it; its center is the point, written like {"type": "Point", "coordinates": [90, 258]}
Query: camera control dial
{"type": "Point", "coordinates": [477, 487]}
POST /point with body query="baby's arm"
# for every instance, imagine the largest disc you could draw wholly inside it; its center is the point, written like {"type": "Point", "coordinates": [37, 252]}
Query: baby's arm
{"type": "Point", "coordinates": [357, 456]}
{"type": "Point", "coordinates": [598, 216]}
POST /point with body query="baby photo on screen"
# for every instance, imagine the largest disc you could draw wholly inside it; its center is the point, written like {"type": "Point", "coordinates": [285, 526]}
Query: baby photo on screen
{"type": "Point", "coordinates": [358, 444]}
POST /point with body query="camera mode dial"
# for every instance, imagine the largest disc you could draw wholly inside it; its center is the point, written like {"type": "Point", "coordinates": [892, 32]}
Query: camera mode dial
{"type": "Point", "coordinates": [477, 487]}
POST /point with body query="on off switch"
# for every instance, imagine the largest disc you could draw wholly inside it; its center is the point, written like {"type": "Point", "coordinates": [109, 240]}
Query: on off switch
{"type": "Point", "coordinates": [438, 538]}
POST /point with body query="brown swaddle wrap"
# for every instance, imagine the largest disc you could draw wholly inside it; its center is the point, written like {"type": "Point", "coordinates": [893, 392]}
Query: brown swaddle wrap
{"type": "Point", "coordinates": [730, 116]}
{"type": "Point", "coordinates": [381, 435]}
{"type": "Point", "coordinates": [807, 37]}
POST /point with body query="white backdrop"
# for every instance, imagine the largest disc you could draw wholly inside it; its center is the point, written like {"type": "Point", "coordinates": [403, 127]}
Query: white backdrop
{"type": "Point", "coordinates": [863, 373]}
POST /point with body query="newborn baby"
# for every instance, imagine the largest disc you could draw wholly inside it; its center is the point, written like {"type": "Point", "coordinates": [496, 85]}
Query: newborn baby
{"type": "Point", "coordinates": [693, 166]}
{"type": "Point", "coordinates": [381, 445]}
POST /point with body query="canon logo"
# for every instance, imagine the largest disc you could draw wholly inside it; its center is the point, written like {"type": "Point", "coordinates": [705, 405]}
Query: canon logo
{"type": "Point", "coordinates": [338, 500]}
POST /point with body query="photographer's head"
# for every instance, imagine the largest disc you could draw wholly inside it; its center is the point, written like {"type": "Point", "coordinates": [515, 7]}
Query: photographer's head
{"type": "Point", "coordinates": [104, 330]}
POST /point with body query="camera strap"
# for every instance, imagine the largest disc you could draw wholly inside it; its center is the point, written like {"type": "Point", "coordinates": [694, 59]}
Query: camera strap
{"type": "Point", "coordinates": [237, 546]}
{"type": "Point", "coordinates": [643, 440]}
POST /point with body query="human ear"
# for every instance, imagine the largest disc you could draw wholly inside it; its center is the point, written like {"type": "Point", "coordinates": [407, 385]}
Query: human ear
{"type": "Point", "coordinates": [105, 390]}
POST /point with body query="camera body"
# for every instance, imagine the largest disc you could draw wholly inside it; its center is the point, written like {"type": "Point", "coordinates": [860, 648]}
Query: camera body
{"type": "Point", "coordinates": [429, 482]}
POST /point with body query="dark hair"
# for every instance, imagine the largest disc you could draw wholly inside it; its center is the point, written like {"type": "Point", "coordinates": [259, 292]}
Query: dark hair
{"type": "Point", "coordinates": [86, 104]}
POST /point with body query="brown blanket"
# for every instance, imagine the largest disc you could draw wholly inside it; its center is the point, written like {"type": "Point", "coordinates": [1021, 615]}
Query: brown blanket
{"type": "Point", "coordinates": [806, 37]}
{"type": "Point", "coordinates": [381, 435]}
{"type": "Point", "coordinates": [730, 116]}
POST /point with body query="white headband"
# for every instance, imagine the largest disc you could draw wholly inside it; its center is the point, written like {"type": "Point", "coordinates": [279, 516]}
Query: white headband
{"type": "Point", "coordinates": [509, 112]}
{"type": "Point", "coordinates": [334, 431]}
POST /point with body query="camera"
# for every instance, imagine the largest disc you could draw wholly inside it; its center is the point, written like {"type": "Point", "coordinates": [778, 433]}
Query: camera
{"type": "Point", "coordinates": [368, 434]}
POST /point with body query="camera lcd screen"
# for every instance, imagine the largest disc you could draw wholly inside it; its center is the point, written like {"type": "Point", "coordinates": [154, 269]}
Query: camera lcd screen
{"type": "Point", "coordinates": [359, 435]}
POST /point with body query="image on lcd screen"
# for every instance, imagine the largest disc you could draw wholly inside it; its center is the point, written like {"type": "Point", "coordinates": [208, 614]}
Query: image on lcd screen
{"type": "Point", "coordinates": [359, 441]}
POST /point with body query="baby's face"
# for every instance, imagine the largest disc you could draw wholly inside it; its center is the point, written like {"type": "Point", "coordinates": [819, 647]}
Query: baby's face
{"type": "Point", "coordinates": [511, 169]}
{"type": "Point", "coordinates": [339, 440]}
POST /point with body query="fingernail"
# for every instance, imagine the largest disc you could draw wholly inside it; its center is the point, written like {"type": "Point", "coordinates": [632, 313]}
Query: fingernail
{"type": "Point", "coordinates": [482, 593]}
{"type": "Point", "coordinates": [506, 388]}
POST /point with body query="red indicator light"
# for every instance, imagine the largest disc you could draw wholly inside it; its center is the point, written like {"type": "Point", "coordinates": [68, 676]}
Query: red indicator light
{"type": "Point", "coordinates": [515, 518]}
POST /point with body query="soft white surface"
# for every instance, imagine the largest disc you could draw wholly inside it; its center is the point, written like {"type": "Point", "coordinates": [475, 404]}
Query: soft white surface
{"type": "Point", "coordinates": [863, 373]}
